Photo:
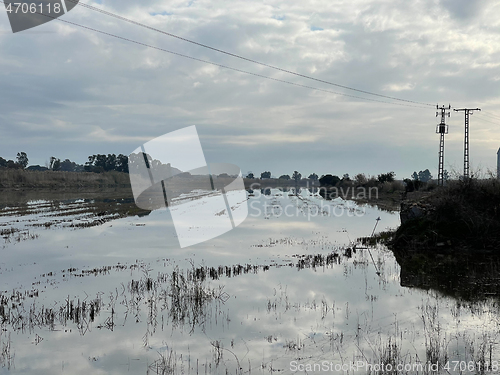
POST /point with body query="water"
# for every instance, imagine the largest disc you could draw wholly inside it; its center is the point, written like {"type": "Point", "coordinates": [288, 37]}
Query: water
{"type": "Point", "coordinates": [284, 292]}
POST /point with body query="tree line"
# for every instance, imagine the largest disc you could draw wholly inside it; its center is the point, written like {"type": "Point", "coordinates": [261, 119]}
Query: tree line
{"type": "Point", "coordinates": [330, 179]}
{"type": "Point", "coordinates": [99, 163]}
{"type": "Point", "coordinates": [96, 163]}
{"type": "Point", "coordinates": [296, 176]}
{"type": "Point", "coordinates": [418, 179]}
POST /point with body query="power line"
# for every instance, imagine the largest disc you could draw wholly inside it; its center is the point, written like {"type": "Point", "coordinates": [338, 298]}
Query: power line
{"type": "Point", "coordinates": [491, 122]}
{"type": "Point", "coordinates": [239, 56]}
{"type": "Point", "coordinates": [490, 115]}
{"type": "Point", "coordinates": [223, 66]}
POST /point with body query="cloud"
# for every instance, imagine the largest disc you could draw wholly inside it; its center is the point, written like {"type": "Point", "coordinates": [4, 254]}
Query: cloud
{"type": "Point", "coordinates": [74, 92]}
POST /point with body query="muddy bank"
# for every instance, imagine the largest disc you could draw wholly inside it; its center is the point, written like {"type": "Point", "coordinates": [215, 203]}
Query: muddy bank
{"type": "Point", "coordinates": [449, 239]}
{"type": "Point", "coordinates": [463, 215]}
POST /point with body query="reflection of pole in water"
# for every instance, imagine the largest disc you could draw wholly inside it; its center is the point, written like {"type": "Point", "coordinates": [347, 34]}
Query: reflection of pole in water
{"type": "Point", "coordinates": [377, 219]}
{"type": "Point", "coordinates": [371, 256]}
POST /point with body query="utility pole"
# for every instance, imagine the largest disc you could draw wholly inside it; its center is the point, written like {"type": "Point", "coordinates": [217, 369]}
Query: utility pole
{"type": "Point", "coordinates": [442, 129]}
{"type": "Point", "coordinates": [467, 111]}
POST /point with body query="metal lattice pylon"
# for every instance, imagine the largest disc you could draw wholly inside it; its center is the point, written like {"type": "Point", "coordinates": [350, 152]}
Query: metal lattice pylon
{"type": "Point", "coordinates": [467, 111]}
{"type": "Point", "coordinates": [442, 129]}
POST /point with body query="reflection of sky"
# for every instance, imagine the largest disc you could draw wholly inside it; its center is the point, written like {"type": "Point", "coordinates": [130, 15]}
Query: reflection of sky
{"type": "Point", "coordinates": [337, 313]}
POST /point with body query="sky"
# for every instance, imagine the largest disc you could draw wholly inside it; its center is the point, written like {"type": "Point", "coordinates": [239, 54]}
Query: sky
{"type": "Point", "coordinates": [70, 92]}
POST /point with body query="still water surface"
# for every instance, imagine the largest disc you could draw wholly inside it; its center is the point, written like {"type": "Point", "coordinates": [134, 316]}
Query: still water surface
{"type": "Point", "coordinates": [279, 293]}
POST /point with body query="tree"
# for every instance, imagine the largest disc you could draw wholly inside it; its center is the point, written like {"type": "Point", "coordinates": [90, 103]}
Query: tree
{"type": "Point", "coordinates": [446, 175]}
{"type": "Point", "coordinates": [3, 162]}
{"type": "Point", "coordinates": [346, 177]}
{"type": "Point", "coordinates": [386, 177]}
{"type": "Point", "coordinates": [250, 175]}
{"type": "Point", "coordinates": [38, 168]}
{"type": "Point", "coordinates": [122, 163]}
{"type": "Point", "coordinates": [360, 179]}
{"type": "Point", "coordinates": [67, 166]}
{"type": "Point", "coordinates": [13, 165]}
{"type": "Point", "coordinates": [313, 176]}
{"type": "Point", "coordinates": [55, 163]}
{"type": "Point", "coordinates": [424, 176]}
{"type": "Point", "coordinates": [296, 176]}
{"type": "Point", "coordinates": [411, 185]}
{"type": "Point", "coordinates": [284, 177]}
{"type": "Point", "coordinates": [329, 180]}
{"type": "Point", "coordinates": [110, 163]}
{"type": "Point", "coordinates": [265, 175]}
{"type": "Point", "coordinates": [70, 166]}
{"type": "Point", "coordinates": [103, 163]}
{"type": "Point", "coordinates": [22, 159]}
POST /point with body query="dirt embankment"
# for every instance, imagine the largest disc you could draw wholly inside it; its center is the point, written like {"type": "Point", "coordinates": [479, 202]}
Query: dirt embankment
{"type": "Point", "coordinates": [465, 215]}
{"type": "Point", "coordinates": [20, 179]}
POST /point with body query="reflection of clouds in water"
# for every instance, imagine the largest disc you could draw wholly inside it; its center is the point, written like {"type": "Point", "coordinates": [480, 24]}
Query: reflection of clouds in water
{"type": "Point", "coordinates": [271, 317]}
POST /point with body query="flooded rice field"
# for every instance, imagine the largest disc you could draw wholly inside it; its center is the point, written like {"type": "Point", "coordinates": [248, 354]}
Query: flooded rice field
{"type": "Point", "coordinates": [91, 285]}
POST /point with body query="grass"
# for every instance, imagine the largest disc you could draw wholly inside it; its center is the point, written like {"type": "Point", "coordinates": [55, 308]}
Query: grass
{"type": "Point", "coordinates": [18, 178]}
{"type": "Point", "coordinates": [6, 357]}
{"type": "Point", "coordinates": [463, 214]}
{"type": "Point", "coordinates": [187, 299]}
{"type": "Point", "coordinates": [166, 364]}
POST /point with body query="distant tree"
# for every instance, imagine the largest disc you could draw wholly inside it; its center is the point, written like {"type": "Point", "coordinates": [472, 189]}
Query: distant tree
{"type": "Point", "coordinates": [122, 163]}
{"type": "Point", "coordinates": [313, 176]}
{"type": "Point", "coordinates": [250, 175]}
{"type": "Point", "coordinates": [424, 176]}
{"type": "Point", "coordinates": [13, 165]}
{"type": "Point", "coordinates": [360, 179]}
{"type": "Point", "coordinates": [346, 177]}
{"type": "Point", "coordinates": [284, 177]}
{"type": "Point", "coordinates": [89, 164]}
{"type": "Point", "coordinates": [265, 175]}
{"type": "Point", "coordinates": [386, 177]}
{"type": "Point", "coordinates": [296, 176]}
{"type": "Point", "coordinates": [3, 162]}
{"type": "Point", "coordinates": [67, 166]}
{"type": "Point", "coordinates": [410, 184]}
{"type": "Point", "coordinates": [37, 168]}
{"type": "Point", "coordinates": [55, 163]}
{"type": "Point", "coordinates": [329, 180]}
{"type": "Point", "coordinates": [110, 163]}
{"type": "Point", "coordinates": [97, 163]}
{"type": "Point", "coordinates": [446, 175]}
{"type": "Point", "coordinates": [22, 159]}
{"type": "Point", "coordinates": [103, 163]}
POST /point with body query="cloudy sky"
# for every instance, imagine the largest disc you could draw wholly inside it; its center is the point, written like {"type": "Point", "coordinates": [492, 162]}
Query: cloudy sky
{"type": "Point", "coordinates": [70, 92]}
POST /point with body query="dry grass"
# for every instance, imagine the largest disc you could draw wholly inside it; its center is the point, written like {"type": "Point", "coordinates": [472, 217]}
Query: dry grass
{"type": "Point", "coordinates": [16, 178]}
{"type": "Point", "coordinates": [463, 214]}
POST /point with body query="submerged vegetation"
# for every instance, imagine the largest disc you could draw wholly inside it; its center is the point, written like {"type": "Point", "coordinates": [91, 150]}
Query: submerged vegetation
{"type": "Point", "coordinates": [298, 299]}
